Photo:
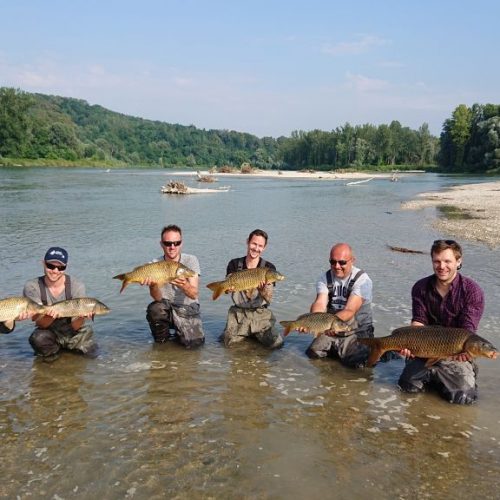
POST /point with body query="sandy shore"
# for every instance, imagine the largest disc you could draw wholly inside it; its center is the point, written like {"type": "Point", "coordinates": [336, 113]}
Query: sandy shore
{"type": "Point", "coordinates": [293, 174]}
{"type": "Point", "coordinates": [473, 211]}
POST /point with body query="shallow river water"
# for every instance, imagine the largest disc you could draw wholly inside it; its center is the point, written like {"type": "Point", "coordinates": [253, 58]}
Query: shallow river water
{"type": "Point", "coordinates": [156, 421]}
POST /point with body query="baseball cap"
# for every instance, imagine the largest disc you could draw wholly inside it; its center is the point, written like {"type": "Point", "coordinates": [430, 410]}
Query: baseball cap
{"type": "Point", "coordinates": [56, 253]}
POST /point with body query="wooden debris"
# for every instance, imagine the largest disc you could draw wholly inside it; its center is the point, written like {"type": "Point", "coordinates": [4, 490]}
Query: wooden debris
{"type": "Point", "coordinates": [404, 250]}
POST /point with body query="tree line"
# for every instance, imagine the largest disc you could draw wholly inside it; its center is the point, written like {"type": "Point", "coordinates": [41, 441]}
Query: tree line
{"type": "Point", "coordinates": [38, 126]}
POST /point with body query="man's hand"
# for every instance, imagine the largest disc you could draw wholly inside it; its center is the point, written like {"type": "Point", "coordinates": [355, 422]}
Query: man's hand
{"type": "Point", "coordinates": [463, 356]}
{"type": "Point", "coordinates": [406, 353]}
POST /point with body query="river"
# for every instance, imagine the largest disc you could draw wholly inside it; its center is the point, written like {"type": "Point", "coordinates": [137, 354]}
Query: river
{"type": "Point", "coordinates": [156, 421]}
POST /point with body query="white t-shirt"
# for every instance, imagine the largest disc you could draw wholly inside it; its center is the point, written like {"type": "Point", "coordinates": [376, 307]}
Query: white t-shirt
{"type": "Point", "coordinates": [362, 288]}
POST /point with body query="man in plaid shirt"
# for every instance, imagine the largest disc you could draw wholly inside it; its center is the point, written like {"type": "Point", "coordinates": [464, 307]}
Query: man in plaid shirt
{"type": "Point", "coordinates": [445, 298]}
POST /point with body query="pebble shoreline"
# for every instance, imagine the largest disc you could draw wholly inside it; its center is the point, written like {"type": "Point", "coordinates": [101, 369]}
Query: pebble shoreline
{"type": "Point", "coordinates": [480, 207]}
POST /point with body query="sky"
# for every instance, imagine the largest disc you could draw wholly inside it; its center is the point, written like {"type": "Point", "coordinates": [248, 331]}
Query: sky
{"type": "Point", "coordinates": [264, 67]}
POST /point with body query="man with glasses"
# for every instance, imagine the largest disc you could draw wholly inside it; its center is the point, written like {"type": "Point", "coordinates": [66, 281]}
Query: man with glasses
{"type": "Point", "coordinates": [346, 291]}
{"type": "Point", "coordinates": [445, 298]}
{"type": "Point", "coordinates": [52, 333]}
{"type": "Point", "coordinates": [175, 304]}
{"type": "Point", "coordinates": [250, 315]}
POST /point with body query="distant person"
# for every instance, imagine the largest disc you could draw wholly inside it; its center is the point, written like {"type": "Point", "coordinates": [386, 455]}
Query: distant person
{"type": "Point", "coordinates": [250, 315]}
{"type": "Point", "coordinates": [346, 291]}
{"type": "Point", "coordinates": [176, 303]}
{"type": "Point", "coordinates": [445, 298]}
{"type": "Point", "coordinates": [52, 334]}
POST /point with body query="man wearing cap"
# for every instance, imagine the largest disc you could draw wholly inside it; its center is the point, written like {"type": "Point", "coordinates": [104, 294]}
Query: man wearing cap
{"type": "Point", "coordinates": [53, 334]}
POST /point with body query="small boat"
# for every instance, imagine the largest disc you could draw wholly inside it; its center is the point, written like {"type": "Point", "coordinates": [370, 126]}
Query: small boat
{"type": "Point", "coordinates": [175, 187]}
{"type": "Point", "coordinates": [359, 182]}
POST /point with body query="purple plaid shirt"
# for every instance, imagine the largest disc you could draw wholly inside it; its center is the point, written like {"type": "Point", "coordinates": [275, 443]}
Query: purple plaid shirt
{"type": "Point", "coordinates": [462, 306]}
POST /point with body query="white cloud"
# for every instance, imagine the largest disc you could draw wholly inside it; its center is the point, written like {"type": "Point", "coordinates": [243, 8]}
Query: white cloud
{"type": "Point", "coordinates": [364, 43]}
{"type": "Point", "coordinates": [364, 84]}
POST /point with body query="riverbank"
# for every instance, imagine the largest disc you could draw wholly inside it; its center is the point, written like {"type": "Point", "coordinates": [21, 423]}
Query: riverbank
{"type": "Point", "coordinates": [469, 211]}
{"type": "Point", "coordinates": [294, 174]}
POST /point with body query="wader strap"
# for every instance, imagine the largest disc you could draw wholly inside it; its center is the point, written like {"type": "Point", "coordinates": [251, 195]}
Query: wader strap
{"type": "Point", "coordinates": [350, 285]}
{"type": "Point", "coordinates": [43, 289]}
{"type": "Point", "coordinates": [241, 263]}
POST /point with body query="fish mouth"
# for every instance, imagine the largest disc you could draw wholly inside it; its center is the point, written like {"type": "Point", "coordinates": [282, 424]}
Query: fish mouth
{"type": "Point", "coordinates": [492, 355]}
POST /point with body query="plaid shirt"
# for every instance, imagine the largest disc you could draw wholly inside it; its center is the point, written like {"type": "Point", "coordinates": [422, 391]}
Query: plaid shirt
{"type": "Point", "coordinates": [462, 306]}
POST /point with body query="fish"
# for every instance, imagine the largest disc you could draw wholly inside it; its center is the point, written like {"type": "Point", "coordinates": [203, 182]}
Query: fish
{"type": "Point", "coordinates": [160, 272]}
{"type": "Point", "coordinates": [12, 307]}
{"type": "Point", "coordinates": [318, 323]}
{"type": "Point", "coordinates": [79, 307]}
{"type": "Point", "coordinates": [431, 342]}
{"type": "Point", "coordinates": [247, 279]}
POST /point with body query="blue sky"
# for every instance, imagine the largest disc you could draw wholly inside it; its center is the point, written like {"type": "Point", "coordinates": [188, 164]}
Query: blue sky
{"type": "Point", "coordinates": [263, 67]}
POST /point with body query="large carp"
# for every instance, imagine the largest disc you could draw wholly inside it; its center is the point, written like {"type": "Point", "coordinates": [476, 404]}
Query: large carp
{"type": "Point", "coordinates": [431, 342]}
{"type": "Point", "coordinates": [318, 323]}
{"type": "Point", "coordinates": [80, 307]}
{"type": "Point", "coordinates": [11, 308]}
{"type": "Point", "coordinates": [160, 273]}
{"type": "Point", "coordinates": [247, 279]}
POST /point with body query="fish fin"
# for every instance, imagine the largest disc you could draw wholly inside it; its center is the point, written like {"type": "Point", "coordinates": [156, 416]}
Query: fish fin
{"type": "Point", "coordinates": [287, 325]}
{"type": "Point", "coordinates": [124, 285]}
{"type": "Point", "coordinates": [376, 350]}
{"type": "Point", "coordinates": [217, 288]}
{"type": "Point", "coordinates": [119, 277]}
{"type": "Point", "coordinates": [9, 324]}
{"type": "Point", "coordinates": [431, 361]}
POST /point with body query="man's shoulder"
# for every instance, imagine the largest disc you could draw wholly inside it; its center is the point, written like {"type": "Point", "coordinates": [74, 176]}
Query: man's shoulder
{"type": "Point", "coordinates": [361, 274]}
{"type": "Point", "coordinates": [468, 283]}
{"type": "Point", "coordinates": [268, 264]}
{"type": "Point", "coordinates": [422, 283]}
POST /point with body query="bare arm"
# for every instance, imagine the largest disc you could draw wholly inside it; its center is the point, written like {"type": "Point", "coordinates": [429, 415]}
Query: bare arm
{"type": "Point", "coordinates": [188, 285]}
{"type": "Point", "coordinates": [320, 304]}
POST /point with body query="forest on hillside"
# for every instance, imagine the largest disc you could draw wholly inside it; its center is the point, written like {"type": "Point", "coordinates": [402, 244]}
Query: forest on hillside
{"type": "Point", "coordinates": [43, 127]}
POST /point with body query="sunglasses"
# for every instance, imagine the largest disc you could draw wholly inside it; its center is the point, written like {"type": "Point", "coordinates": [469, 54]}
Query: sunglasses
{"type": "Point", "coordinates": [342, 263]}
{"type": "Point", "coordinates": [171, 243]}
{"type": "Point", "coordinates": [53, 266]}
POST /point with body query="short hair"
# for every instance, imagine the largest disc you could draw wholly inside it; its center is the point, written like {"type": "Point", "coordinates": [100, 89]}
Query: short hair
{"type": "Point", "coordinates": [258, 232]}
{"type": "Point", "coordinates": [171, 227]}
{"type": "Point", "coordinates": [439, 246]}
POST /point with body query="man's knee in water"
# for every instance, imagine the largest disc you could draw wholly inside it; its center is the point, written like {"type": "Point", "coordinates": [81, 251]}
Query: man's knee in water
{"type": "Point", "coordinates": [44, 343]}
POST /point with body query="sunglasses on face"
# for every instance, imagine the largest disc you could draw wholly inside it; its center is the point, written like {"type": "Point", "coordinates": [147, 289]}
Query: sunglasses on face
{"type": "Point", "coordinates": [53, 266]}
{"type": "Point", "coordinates": [342, 263]}
{"type": "Point", "coordinates": [171, 243]}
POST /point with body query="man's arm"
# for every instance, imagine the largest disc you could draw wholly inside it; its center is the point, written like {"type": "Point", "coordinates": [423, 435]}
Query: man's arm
{"type": "Point", "coordinates": [320, 304]}
{"type": "Point", "coordinates": [188, 285]}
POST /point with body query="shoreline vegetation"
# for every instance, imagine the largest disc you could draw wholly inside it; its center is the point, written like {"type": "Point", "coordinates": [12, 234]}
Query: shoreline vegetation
{"type": "Point", "coordinates": [470, 212]}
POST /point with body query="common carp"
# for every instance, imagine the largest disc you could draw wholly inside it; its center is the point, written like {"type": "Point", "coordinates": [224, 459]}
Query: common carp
{"type": "Point", "coordinates": [82, 306]}
{"type": "Point", "coordinates": [161, 272]}
{"type": "Point", "coordinates": [318, 323]}
{"type": "Point", "coordinates": [12, 307]}
{"type": "Point", "coordinates": [247, 279]}
{"type": "Point", "coordinates": [431, 342]}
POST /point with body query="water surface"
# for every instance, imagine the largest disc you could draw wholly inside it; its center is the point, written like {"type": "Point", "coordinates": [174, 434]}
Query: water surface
{"type": "Point", "coordinates": [156, 421]}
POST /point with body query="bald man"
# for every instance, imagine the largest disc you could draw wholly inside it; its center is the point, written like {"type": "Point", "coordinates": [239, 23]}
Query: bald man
{"type": "Point", "coordinates": [346, 291]}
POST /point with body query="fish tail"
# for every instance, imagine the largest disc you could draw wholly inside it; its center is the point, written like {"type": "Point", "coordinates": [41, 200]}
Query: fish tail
{"type": "Point", "coordinates": [123, 278]}
{"type": "Point", "coordinates": [376, 350]}
{"type": "Point", "coordinates": [287, 325]}
{"type": "Point", "coordinates": [216, 287]}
